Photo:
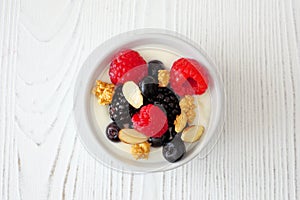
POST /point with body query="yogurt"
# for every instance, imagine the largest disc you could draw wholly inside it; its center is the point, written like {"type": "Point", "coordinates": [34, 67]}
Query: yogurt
{"type": "Point", "coordinates": [202, 102]}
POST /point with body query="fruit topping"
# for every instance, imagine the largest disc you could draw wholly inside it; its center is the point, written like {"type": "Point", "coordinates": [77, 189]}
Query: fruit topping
{"type": "Point", "coordinates": [170, 103]}
{"type": "Point", "coordinates": [188, 107]}
{"type": "Point", "coordinates": [192, 133]}
{"type": "Point", "coordinates": [163, 78]}
{"type": "Point", "coordinates": [140, 151]}
{"type": "Point", "coordinates": [131, 136]}
{"type": "Point", "coordinates": [188, 77]}
{"type": "Point", "coordinates": [151, 121]}
{"type": "Point", "coordinates": [148, 87]}
{"type": "Point", "coordinates": [174, 150]}
{"type": "Point", "coordinates": [132, 94]}
{"type": "Point", "coordinates": [120, 110]}
{"type": "Point", "coordinates": [144, 103]}
{"type": "Point", "coordinates": [180, 122]}
{"type": "Point", "coordinates": [112, 132]}
{"type": "Point", "coordinates": [153, 67]}
{"type": "Point", "coordinates": [159, 141]}
{"type": "Point", "coordinates": [127, 65]}
{"type": "Point", "coordinates": [104, 92]}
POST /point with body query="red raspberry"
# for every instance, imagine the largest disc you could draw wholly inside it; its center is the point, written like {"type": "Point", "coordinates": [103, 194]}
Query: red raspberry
{"type": "Point", "coordinates": [188, 77]}
{"type": "Point", "coordinates": [151, 121]}
{"type": "Point", "coordinates": [127, 65]}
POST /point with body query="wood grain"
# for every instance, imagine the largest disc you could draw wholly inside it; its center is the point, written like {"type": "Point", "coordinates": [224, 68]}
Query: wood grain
{"type": "Point", "coordinates": [256, 45]}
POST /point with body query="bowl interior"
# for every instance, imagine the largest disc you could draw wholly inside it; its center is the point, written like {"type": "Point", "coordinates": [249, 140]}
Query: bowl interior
{"type": "Point", "coordinates": [90, 132]}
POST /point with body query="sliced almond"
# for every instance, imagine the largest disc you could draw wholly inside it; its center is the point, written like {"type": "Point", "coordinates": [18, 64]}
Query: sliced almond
{"type": "Point", "coordinates": [180, 122]}
{"type": "Point", "coordinates": [192, 133]}
{"type": "Point", "coordinates": [131, 136]}
{"type": "Point", "coordinates": [132, 94]}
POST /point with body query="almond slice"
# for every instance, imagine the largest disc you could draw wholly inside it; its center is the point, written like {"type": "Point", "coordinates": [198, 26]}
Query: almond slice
{"type": "Point", "coordinates": [131, 136]}
{"type": "Point", "coordinates": [192, 133]}
{"type": "Point", "coordinates": [132, 94]}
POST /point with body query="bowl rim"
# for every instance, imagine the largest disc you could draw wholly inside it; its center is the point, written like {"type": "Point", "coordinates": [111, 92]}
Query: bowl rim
{"type": "Point", "coordinates": [80, 109]}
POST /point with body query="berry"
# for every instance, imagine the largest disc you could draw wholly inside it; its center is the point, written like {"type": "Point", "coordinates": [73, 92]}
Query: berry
{"type": "Point", "coordinates": [151, 121]}
{"type": "Point", "coordinates": [148, 87]}
{"type": "Point", "coordinates": [174, 150]}
{"type": "Point", "coordinates": [127, 65]}
{"type": "Point", "coordinates": [170, 103]}
{"type": "Point", "coordinates": [153, 67]}
{"type": "Point", "coordinates": [112, 132]}
{"type": "Point", "coordinates": [120, 110]}
{"type": "Point", "coordinates": [188, 77]}
{"type": "Point", "coordinates": [159, 141]}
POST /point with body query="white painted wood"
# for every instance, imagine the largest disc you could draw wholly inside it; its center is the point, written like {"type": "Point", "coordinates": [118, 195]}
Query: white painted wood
{"type": "Point", "coordinates": [256, 45]}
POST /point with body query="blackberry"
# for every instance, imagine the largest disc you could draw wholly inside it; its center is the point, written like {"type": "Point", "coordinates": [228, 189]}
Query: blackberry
{"type": "Point", "coordinates": [170, 103]}
{"type": "Point", "coordinates": [120, 111]}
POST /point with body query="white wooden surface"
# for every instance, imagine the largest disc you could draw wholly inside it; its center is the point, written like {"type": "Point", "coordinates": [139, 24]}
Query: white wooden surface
{"type": "Point", "coordinates": [256, 45]}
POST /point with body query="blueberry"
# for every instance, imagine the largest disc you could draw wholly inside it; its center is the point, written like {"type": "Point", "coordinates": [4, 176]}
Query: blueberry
{"type": "Point", "coordinates": [148, 87]}
{"type": "Point", "coordinates": [112, 132]}
{"type": "Point", "coordinates": [157, 142]}
{"type": "Point", "coordinates": [153, 67]}
{"type": "Point", "coordinates": [174, 150]}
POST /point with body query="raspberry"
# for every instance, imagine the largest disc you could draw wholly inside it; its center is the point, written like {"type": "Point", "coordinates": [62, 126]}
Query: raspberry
{"type": "Point", "coordinates": [188, 77]}
{"type": "Point", "coordinates": [127, 65]}
{"type": "Point", "coordinates": [151, 121]}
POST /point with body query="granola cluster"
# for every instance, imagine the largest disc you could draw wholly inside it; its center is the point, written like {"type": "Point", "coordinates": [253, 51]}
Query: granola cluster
{"type": "Point", "coordinates": [104, 92]}
{"type": "Point", "coordinates": [140, 151]}
{"type": "Point", "coordinates": [188, 107]}
{"type": "Point", "coordinates": [163, 78]}
{"type": "Point", "coordinates": [180, 122]}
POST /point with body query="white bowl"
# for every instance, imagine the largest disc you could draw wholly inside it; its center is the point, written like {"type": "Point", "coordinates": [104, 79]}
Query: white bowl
{"type": "Point", "coordinates": [92, 135]}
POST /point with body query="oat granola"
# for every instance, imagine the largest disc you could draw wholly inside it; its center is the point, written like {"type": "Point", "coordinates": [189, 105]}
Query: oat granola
{"type": "Point", "coordinates": [188, 107]}
{"type": "Point", "coordinates": [140, 151]}
{"type": "Point", "coordinates": [163, 78]}
{"type": "Point", "coordinates": [104, 92]}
